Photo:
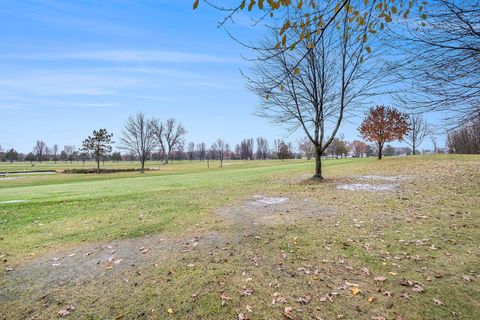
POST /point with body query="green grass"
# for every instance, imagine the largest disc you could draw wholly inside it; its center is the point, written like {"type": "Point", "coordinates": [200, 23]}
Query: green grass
{"type": "Point", "coordinates": [439, 205]}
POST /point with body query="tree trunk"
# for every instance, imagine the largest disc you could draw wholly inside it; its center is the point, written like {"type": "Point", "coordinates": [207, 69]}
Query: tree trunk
{"type": "Point", "coordinates": [380, 149]}
{"type": "Point", "coordinates": [318, 163]}
{"type": "Point", "coordinates": [143, 167]}
{"type": "Point", "coordinates": [98, 166]}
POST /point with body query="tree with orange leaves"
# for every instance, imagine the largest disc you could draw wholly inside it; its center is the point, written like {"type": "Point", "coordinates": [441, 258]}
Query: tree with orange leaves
{"type": "Point", "coordinates": [384, 124]}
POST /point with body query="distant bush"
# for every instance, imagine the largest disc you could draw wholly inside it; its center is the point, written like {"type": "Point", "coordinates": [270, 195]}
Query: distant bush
{"type": "Point", "coordinates": [90, 170]}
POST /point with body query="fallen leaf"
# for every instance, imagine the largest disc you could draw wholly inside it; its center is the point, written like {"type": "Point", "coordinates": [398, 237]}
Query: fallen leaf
{"type": "Point", "coordinates": [371, 299]}
{"type": "Point", "coordinates": [248, 308]}
{"type": "Point", "coordinates": [224, 298]}
{"type": "Point", "coordinates": [418, 288]}
{"type": "Point", "coordinates": [170, 310]}
{"type": "Point", "coordinates": [246, 292]}
{"type": "Point", "coordinates": [380, 279]}
{"type": "Point", "coordinates": [467, 278]}
{"type": "Point", "coordinates": [327, 297]}
{"type": "Point", "coordinates": [304, 300]}
{"type": "Point", "coordinates": [65, 312]}
{"type": "Point", "coordinates": [405, 282]}
{"type": "Point", "coordinates": [355, 291]}
{"type": "Point", "coordinates": [287, 312]}
{"type": "Point", "coordinates": [366, 271]}
{"type": "Point", "coordinates": [242, 316]}
{"type": "Point", "coordinates": [438, 301]}
{"type": "Point", "coordinates": [388, 294]}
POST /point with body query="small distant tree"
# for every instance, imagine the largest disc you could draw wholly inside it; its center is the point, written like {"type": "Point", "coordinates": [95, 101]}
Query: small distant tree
{"type": "Point", "coordinates": [384, 124]}
{"type": "Point", "coordinates": [82, 154]}
{"type": "Point", "coordinates": [359, 148]}
{"type": "Point", "coordinates": [98, 145]}
{"type": "Point", "coordinates": [191, 150]}
{"type": "Point", "coordinates": [116, 156]}
{"type": "Point", "coordinates": [11, 155]}
{"type": "Point", "coordinates": [170, 136]}
{"type": "Point", "coordinates": [418, 131]}
{"type": "Point", "coordinates": [307, 147]}
{"type": "Point", "coordinates": [55, 153]}
{"type": "Point", "coordinates": [389, 150]}
{"type": "Point", "coordinates": [68, 150]}
{"type": "Point", "coordinates": [262, 148]}
{"type": "Point", "coordinates": [30, 157]}
{"type": "Point", "coordinates": [220, 148]}
{"type": "Point", "coordinates": [40, 149]}
{"type": "Point", "coordinates": [283, 150]}
{"type": "Point", "coordinates": [138, 137]}
{"type": "Point", "coordinates": [433, 138]}
{"type": "Point", "coordinates": [201, 151]}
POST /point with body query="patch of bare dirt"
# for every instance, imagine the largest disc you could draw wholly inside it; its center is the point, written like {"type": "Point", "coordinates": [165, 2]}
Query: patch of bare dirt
{"type": "Point", "coordinates": [270, 211]}
{"type": "Point", "coordinates": [102, 260]}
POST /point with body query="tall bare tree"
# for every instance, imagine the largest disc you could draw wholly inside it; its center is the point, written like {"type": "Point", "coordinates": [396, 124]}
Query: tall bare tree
{"type": "Point", "coordinates": [201, 151]}
{"type": "Point", "coordinates": [55, 152]}
{"type": "Point", "coordinates": [191, 151]}
{"type": "Point", "coordinates": [320, 90]}
{"type": "Point", "coordinates": [169, 135]}
{"type": "Point", "coordinates": [262, 148]}
{"type": "Point", "coordinates": [419, 130]}
{"type": "Point", "coordinates": [40, 149]}
{"type": "Point", "coordinates": [138, 137]}
{"type": "Point", "coordinates": [465, 139]}
{"type": "Point", "coordinates": [220, 148]}
{"type": "Point", "coordinates": [442, 65]}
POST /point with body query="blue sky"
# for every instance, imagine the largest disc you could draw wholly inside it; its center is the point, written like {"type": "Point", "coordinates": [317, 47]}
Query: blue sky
{"type": "Point", "coordinates": [69, 67]}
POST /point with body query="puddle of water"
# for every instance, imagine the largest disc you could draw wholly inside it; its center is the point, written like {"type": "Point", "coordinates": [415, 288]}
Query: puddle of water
{"type": "Point", "coordinates": [367, 187]}
{"type": "Point", "coordinates": [29, 172]}
{"type": "Point", "coordinates": [269, 200]}
{"type": "Point", "coordinates": [13, 201]}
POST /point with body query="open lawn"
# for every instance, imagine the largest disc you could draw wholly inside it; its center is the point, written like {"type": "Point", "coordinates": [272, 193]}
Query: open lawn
{"type": "Point", "coordinates": [252, 240]}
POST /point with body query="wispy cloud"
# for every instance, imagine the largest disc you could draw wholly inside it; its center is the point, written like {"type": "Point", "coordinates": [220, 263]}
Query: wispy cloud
{"type": "Point", "coordinates": [125, 56]}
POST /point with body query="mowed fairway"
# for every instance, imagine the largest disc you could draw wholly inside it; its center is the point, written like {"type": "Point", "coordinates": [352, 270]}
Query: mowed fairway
{"type": "Point", "coordinates": [252, 240]}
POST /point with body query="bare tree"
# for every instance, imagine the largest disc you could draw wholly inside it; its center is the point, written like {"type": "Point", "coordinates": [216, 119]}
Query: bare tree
{"type": "Point", "coordinates": [441, 71]}
{"type": "Point", "coordinates": [246, 149]}
{"type": "Point", "coordinates": [191, 150]}
{"type": "Point", "coordinates": [262, 148]}
{"type": "Point", "coordinates": [55, 152]}
{"type": "Point", "coordinates": [433, 138]}
{"type": "Point", "coordinates": [466, 139]}
{"type": "Point", "coordinates": [201, 151]}
{"type": "Point", "coordinates": [169, 136]}
{"type": "Point", "coordinates": [419, 130]}
{"type": "Point", "coordinates": [320, 90]}
{"type": "Point", "coordinates": [68, 150]}
{"type": "Point", "coordinates": [306, 146]}
{"type": "Point", "coordinates": [138, 137]}
{"type": "Point", "coordinates": [220, 148]}
{"type": "Point", "coordinates": [39, 149]}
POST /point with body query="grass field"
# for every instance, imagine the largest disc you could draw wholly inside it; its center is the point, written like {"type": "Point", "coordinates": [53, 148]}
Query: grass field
{"type": "Point", "coordinates": [187, 242]}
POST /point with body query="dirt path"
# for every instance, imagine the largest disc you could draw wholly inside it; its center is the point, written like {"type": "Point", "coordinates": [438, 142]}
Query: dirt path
{"type": "Point", "coordinates": [110, 259]}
